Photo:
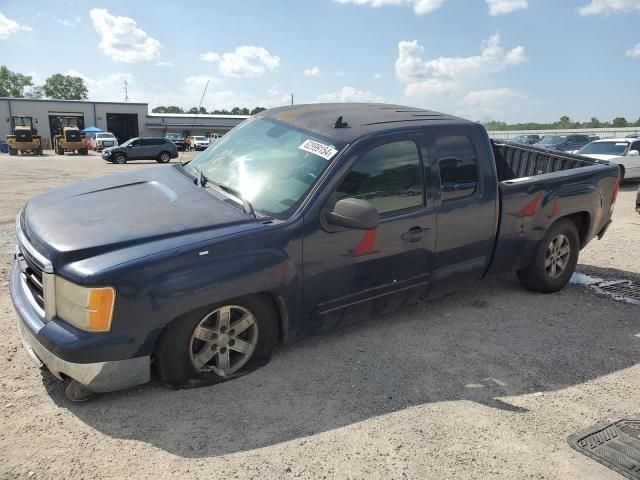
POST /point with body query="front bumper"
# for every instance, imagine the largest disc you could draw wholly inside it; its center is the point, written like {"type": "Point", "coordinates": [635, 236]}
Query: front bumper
{"type": "Point", "coordinates": [97, 376]}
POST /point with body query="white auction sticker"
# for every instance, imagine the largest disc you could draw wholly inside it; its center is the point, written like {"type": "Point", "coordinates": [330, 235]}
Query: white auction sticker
{"type": "Point", "coordinates": [317, 148]}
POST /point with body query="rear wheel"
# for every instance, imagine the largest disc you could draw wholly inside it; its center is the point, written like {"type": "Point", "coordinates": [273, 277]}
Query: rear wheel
{"type": "Point", "coordinates": [217, 343]}
{"type": "Point", "coordinates": [83, 151]}
{"type": "Point", "coordinates": [120, 159]}
{"type": "Point", "coordinates": [164, 157]}
{"type": "Point", "coordinates": [13, 151]}
{"type": "Point", "coordinates": [554, 259]}
{"type": "Point", "coordinates": [39, 151]}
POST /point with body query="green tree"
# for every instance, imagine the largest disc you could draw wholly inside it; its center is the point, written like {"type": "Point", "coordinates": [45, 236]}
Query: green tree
{"type": "Point", "coordinates": [13, 84]}
{"type": "Point", "coordinates": [174, 109]}
{"type": "Point", "coordinates": [620, 122]}
{"type": "Point", "coordinates": [160, 109]}
{"type": "Point", "coordinates": [594, 123]}
{"type": "Point", "coordinates": [65, 87]}
{"type": "Point", "coordinates": [257, 110]}
{"type": "Point", "coordinates": [193, 110]}
{"type": "Point", "coordinates": [34, 92]}
{"type": "Point", "coordinates": [565, 122]}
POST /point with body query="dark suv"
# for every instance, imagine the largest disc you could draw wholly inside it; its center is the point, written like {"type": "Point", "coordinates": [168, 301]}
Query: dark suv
{"type": "Point", "coordinates": [142, 148]}
{"type": "Point", "coordinates": [177, 139]}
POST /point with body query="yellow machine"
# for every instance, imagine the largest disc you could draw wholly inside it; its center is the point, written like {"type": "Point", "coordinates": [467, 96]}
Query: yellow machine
{"type": "Point", "coordinates": [24, 136]}
{"type": "Point", "coordinates": [70, 138]}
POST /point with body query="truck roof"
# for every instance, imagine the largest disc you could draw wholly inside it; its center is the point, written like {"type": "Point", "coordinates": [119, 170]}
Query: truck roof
{"type": "Point", "coordinates": [362, 118]}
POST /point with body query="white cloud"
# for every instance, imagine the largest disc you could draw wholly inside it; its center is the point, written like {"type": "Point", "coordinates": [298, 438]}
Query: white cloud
{"type": "Point", "coordinates": [610, 6]}
{"type": "Point", "coordinates": [499, 7]}
{"type": "Point", "coordinates": [110, 87]}
{"type": "Point", "coordinates": [245, 61]}
{"type": "Point", "coordinates": [121, 39]}
{"type": "Point", "coordinates": [66, 22]}
{"type": "Point", "coordinates": [496, 102]}
{"type": "Point", "coordinates": [165, 64]}
{"type": "Point", "coordinates": [634, 52]}
{"type": "Point", "coordinates": [443, 74]}
{"type": "Point", "coordinates": [9, 27]}
{"type": "Point", "coordinates": [420, 7]}
{"type": "Point", "coordinates": [209, 57]}
{"type": "Point", "coordinates": [348, 94]}
{"type": "Point", "coordinates": [342, 73]}
{"type": "Point", "coordinates": [376, 76]}
{"type": "Point", "coordinates": [312, 72]}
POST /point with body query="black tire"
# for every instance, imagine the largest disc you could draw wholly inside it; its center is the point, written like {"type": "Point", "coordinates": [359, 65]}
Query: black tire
{"type": "Point", "coordinates": [164, 157]}
{"type": "Point", "coordinates": [60, 151]}
{"type": "Point", "coordinates": [119, 158]}
{"type": "Point", "coordinates": [536, 276]}
{"type": "Point", "coordinates": [13, 152]}
{"type": "Point", "coordinates": [39, 151]}
{"type": "Point", "coordinates": [622, 172]}
{"type": "Point", "coordinates": [173, 353]}
{"type": "Point", "coordinates": [83, 151]}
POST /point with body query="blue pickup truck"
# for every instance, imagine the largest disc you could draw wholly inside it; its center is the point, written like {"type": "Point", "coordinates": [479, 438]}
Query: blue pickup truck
{"type": "Point", "coordinates": [296, 219]}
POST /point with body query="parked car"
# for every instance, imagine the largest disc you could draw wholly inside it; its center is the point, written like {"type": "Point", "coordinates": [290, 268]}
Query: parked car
{"type": "Point", "coordinates": [199, 142]}
{"type": "Point", "coordinates": [638, 201]}
{"type": "Point", "coordinates": [177, 139]}
{"type": "Point", "coordinates": [624, 152]}
{"type": "Point", "coordinates": [526, 139]}
{"type": "Point", "coordinates": [593, 138]}
{"type": "Point", "coordinates": [564, 143]}
{"type": "Point", "coordinates": [142, 148]}
{"type": "Point", "coordinates": [202, 268]}
{"type": "Point", "coordinates": [101, 140]}
{"type": "Point", "coordinates": [633, 135]}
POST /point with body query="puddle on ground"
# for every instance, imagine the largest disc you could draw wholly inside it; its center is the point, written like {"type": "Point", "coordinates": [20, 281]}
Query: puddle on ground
{"type": "Point", "coordinates": [621, 290]}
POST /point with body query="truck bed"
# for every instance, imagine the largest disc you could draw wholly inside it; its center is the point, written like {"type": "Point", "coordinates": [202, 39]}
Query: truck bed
{"type": "Point", "coordinates": [515, 160]}
{"type": "Point", "coordinates": [536, 188]}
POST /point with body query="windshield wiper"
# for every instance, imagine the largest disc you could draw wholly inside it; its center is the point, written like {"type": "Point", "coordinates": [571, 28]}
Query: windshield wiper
{"type": "Point", "coordinates": [202, 181]}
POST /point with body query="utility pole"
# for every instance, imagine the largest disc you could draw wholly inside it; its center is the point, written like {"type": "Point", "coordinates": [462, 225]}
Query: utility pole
{"type": "Point", "coordinates": [126, 93]}
{"type": "Point", "coordinates": [292, 99]}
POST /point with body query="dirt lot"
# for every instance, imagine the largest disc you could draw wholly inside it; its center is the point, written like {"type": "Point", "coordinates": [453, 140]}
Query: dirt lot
{"type": "Point", "coordinates": [486, 383]}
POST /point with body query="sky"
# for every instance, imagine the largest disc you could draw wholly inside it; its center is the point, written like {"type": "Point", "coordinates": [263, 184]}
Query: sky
{"type": "Point", "coordinates": [509, 60]}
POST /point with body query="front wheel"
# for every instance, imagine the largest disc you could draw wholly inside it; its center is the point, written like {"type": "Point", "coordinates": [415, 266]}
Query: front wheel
{"type": "Point", "coordinates": [622, 172]}
{"type": "Point", "coordinates": [217, 343]}
{"type": "Point", "coordinates": [163, 157]}
{"type": "Point", "coordinates": [554, 259]}
{"type": "Point", "coordinates": [120, 159]}
{"type": "Point", "coordinates": [13, 152]}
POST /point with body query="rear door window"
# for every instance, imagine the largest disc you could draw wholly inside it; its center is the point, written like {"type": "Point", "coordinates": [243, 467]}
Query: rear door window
{"type": "Point", "coordinates": [458, 165]}
{"type": "Point", "coordinates": [387, 176]}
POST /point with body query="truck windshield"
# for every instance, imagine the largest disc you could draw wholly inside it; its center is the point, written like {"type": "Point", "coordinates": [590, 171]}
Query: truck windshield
{"type": "Point", "coordinates": [552, 139]}
{"type": "Point", "coordinates": [605, 148]}
{"type": "Point", "coordinates": [272, 164]}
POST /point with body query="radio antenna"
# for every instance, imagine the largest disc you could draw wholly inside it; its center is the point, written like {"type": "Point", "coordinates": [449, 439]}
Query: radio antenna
{"type": "Point", "coordinates": [193, 124]}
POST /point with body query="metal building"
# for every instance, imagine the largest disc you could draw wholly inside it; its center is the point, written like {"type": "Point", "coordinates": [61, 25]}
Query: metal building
{"type": "Point", "coordinates": [124, 120]}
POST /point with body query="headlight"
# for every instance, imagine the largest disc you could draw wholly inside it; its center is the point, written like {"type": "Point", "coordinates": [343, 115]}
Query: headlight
{"type": "Point", "coordinates": [106, 153]}
{"type": "Point", "coordinates": [89, 309]}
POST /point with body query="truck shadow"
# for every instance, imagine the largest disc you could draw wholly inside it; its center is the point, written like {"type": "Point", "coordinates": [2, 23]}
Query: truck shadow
{"type": "Point", "coordinates": [488, 345]}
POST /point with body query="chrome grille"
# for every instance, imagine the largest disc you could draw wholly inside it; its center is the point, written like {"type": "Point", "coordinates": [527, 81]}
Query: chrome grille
{"type": "Point", "coordinates": [32, 276]}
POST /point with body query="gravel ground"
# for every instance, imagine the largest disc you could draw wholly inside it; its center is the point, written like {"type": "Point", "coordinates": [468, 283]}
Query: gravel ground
{"type": "Point", "coordinates": [486, 383]}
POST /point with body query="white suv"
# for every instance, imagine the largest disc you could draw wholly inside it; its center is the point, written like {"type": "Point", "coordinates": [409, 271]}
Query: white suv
{"type": "Point", "coordinates": [199, 142]}
{"type": "Point", "coordinates": [103, 140]}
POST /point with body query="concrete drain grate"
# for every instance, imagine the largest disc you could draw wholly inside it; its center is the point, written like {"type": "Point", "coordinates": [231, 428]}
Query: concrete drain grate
{"type": "Point", "coordinates": [621, 290]}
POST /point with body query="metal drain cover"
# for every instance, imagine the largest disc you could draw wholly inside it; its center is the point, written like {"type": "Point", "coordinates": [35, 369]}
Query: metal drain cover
{"type": "Point", "coordinates": [621, 290]}
{"type": "Point", "coordinates": [614, 444]}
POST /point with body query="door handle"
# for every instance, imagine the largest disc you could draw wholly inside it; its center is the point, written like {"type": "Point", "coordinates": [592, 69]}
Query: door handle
{"type": "Point", "coordinates": [414, 234]}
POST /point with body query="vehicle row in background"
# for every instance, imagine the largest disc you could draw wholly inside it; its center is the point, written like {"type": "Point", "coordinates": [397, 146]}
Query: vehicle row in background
{"type": "Point", "coordinates": [142, 148]}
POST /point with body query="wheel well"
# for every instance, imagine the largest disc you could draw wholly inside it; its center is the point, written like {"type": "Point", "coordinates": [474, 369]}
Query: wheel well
{"type": "Point", "coordinates": [582, 221]}
{"type": "Point", "coordinates": [276, 301]}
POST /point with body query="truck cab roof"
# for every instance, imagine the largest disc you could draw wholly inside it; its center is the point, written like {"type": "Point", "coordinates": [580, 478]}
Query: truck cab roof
{"type": "Point", "coordinates": [349, 121]}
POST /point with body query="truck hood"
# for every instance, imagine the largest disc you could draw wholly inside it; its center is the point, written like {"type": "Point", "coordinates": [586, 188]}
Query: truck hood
{"type": "Point", "coordinates": [104, 214]}
{"type": "Point", "coordinates": [608, 158]}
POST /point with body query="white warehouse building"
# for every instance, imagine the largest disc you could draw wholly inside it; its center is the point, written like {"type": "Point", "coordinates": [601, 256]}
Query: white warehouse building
{"type": "Point", "coordinates": [124, 120]}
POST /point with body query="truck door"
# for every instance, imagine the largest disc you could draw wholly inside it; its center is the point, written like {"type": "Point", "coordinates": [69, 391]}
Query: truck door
{"type": "Point", "coordinates": [466, 205]}
{"type": "Point", "coordinates": [345, 267]}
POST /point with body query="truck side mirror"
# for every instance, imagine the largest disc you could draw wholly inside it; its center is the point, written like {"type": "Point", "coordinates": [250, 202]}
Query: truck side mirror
{"type": "Point", "coordinates": [353, 213]}
{"type": "Point", "coordinates": [634, 153]}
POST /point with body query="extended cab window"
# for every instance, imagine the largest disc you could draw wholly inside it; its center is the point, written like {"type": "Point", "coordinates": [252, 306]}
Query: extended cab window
{"type": "Point", "coordinates": [387, 176]}
{"type": "Point", "coordinates": [458, 166]}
